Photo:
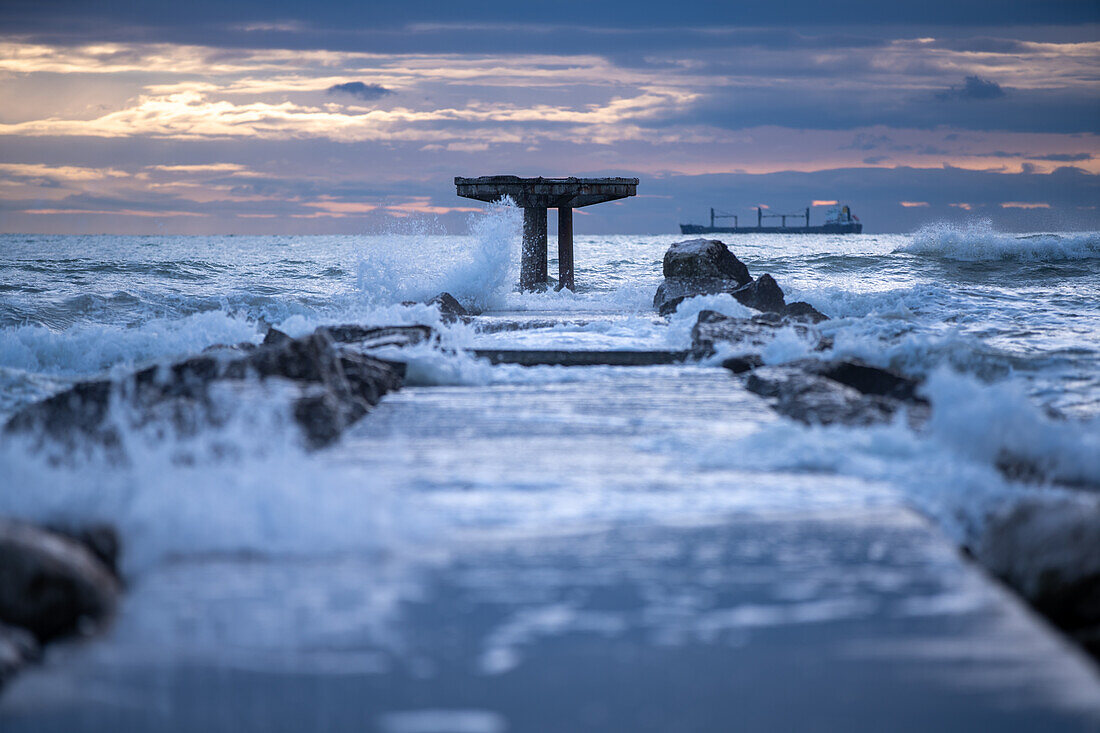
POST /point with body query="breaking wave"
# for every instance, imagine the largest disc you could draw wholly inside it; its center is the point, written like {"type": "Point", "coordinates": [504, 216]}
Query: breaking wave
{"type": "Point", "coordinates": [980, 242]}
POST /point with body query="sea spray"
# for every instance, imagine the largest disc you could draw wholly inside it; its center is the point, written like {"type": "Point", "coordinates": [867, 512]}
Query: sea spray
{"type": "Point", "coordinates": [477, 269]}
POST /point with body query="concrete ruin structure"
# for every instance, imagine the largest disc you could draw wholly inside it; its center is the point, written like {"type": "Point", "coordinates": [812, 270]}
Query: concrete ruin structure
{"type": "Point", "coordinates": [535, 196]}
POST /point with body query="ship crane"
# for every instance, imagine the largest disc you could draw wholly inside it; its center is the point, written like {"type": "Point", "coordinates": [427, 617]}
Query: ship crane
{"type": "Point", "coordinates": [722, 215]}
{"type": "Point", "coordinates": [761, 216]}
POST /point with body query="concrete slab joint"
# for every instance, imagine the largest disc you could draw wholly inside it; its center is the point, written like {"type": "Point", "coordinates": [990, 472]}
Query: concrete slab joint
{"type": "Point", "coordinates": [535, 196]}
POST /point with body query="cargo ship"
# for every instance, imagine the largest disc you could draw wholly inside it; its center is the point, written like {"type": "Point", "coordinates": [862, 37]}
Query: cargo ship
{"type": "Point", "coordinates": [838, 220]}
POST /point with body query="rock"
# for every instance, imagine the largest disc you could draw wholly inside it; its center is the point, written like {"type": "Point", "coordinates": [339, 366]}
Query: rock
{"type": "Point", "coordinates": [802, 311]}
{"type": "Point", "coordinates": [712, 329]}
{"type": "Point", "coordinates": [867, 379]}
{"type": "Point", "coordinates": [100, 539]}
{"type": "Point", "coordinates": [673, 291]}
{"type": "Point", "coordinates": [849, 392]}
{"type": "Point", "coordinates": [817, 400]}
{"type": "Point", "coordinates": [18, 648]}
{"type": "Point", "coordinates": [275, 337]}
{"type": "Point", "coordinates": [704, 258]}
{"type": "Point", "coordinates": [742, 364]}
{"type": "Point", "coordinates": [449, 307]}
{"type": "Point", "coordinates": [1048, 550]}
{"type": "Point", "coordinates": [179, 394]}
{"type": "Point", "coordinates": [763, 294]}
{"type": "Point", "coordinates": [51, 585]}
{"type": "Point", "coordinates": [378, 336]}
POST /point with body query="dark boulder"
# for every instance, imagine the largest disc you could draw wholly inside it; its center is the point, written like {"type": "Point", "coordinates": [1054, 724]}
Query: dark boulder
{"type": "Point", "coordinates": [713, 329]}
{"type": "Point", "coordinates": [51, 585]}
{"type": "Point", "coordinates": [742, 364]}
{"type": "Point", "coordinates": [704, 258]}
{"type": "Point", "coordinates": [849, 392]}
{"type": "Point", "coordinates": [817, 400]}
{"type": "Point", "coordinates": [275, 337]}
{"type": "Point", "coordinates": [100, 539]}
{"type": "Point", "coordinates": [673, 291]}
{"type": "Point", "coordinates": [179, 395]}
{"type": "Point", "coordinates": [762, 294]}
{"type": "Point", "coordinates": [1048, 550]}
{"type": "Point", "coordinates": [867, 379]}
{"type": "Point", "coordinates": [449, 307]}
{"type": "Point", "coordinates": [802, 311]}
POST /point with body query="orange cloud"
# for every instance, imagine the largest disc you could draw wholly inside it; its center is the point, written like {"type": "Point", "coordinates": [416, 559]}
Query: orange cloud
{"type": "Point", "coordinates": [913, 204]}
{"type": "Point", "coordinates": [1023, 205]}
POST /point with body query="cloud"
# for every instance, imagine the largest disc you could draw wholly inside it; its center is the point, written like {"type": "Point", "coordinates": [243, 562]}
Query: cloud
{"type": "Point", "coordinates": [973, 88]}
{"type": "Point", "coordinates": [358, 89]}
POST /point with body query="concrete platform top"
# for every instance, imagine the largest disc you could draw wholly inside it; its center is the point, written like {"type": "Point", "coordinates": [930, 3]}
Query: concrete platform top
{"type": "Point", "coordinates": [547, 193]}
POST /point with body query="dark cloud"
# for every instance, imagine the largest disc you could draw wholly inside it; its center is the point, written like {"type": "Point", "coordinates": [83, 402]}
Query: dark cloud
{"type": "Point", "coordinates": [361, 90]}
{"type": "Point", "coordinates": [501, 25]}
{"type": "Point", "coordinates": [1053, 157]}
{"type": "Point", "coordinates": [974, 87]}
{"type": "Point", "coordinates": [1031, 110]}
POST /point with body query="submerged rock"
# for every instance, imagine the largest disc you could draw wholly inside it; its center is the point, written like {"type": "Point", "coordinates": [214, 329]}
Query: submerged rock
{"type": "Point", "coordinates": [1048, 550]}
{"type": "Point", "coordinates": [713, 329]}
{"type": "Point", "coordinates": [825, 392]}
{"type": "Point", "coordinates": [51, 585]}
{"type": "Point", "coordinates": [817, 400]}
{"type": "Point", "coordinates": [802, 311]}
{"type": "Point", "coordinates": [704, 258]}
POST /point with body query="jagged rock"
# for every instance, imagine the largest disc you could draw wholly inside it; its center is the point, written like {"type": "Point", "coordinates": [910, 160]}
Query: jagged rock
{"type": "Point", "coordinates": [377, 336]}
{"type": "Point", "coordinates": [763, 294]}
{"type": "Point", "coordinates": [704, 258]}
{"type": "Point", "coordinates": [275, 337]}
{"type": "Point", "coordinates": [673, 291]}
{"type": "Point", "coordinates": [179, 394]}
{"type": "Point", "coordinates": [850, 392]}
{"type": "Point", "coordinates": [802, 311]}
{"type": "Point", "coordinates": [18, 648]}
{"type": "Point", "coordinates": [449, 307]}
{"type": "Point", "coordinates": [866, 379]}
{"type": "Point", "coordinates": [817, 400]}
{"type": "Point", "coordinates": [1048, 550]}
{"type": "Point", "coordinates": [50, 584]}
{"type": "Point", "coordinates": [742, 364]}
{"type": "Point", "coordinates": [713, 328]}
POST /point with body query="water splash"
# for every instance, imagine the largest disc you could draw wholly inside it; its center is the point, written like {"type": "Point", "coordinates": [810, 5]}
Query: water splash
{"type": "Point", "coordinates": [979, 242]}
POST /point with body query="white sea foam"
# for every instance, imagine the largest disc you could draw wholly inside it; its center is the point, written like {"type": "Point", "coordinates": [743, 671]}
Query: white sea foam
{"type": "Point", "coordinates": [89, 348]}
{"type": "Point", "coordinates": [980, 242]}
{"type": "Point", "coordinates": [478, 269]}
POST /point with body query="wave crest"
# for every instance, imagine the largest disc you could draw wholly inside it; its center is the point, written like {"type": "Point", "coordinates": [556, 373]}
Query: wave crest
{"type": "Point", "coordinates": [980, 242]}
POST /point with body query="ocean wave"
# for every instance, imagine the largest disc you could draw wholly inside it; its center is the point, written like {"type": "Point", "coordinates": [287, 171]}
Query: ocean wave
{"type": "Point", "coordinates": [90, 348]}
{"type": "Point", "coordinates": [980, 242]}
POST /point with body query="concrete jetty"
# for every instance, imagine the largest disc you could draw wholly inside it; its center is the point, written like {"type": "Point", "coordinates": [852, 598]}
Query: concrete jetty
{"type": "Point", "coordinates": [535, 196]}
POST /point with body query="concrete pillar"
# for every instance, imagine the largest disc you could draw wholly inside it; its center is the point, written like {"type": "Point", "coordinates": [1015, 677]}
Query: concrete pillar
{"type": "Point", "coordinates": [532, 270]}
{"type": "Point", "coordinates": [565, 248]}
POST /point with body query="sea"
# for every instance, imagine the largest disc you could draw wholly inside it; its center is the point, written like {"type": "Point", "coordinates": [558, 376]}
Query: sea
{"type": "Point", "coordinates": [507, 548]}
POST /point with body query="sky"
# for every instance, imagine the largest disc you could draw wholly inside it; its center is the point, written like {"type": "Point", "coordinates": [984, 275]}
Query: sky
{"type": "Point", "coordinates": [331, 117]}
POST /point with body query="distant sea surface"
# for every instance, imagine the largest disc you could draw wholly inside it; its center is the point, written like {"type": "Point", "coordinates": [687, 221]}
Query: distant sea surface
{"type": "Point", "coordinates": [266, 557]}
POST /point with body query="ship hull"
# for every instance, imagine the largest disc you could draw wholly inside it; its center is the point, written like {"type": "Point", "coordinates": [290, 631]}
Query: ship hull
{"type": "Point", "coordinates": [846, 228]}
